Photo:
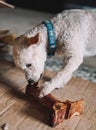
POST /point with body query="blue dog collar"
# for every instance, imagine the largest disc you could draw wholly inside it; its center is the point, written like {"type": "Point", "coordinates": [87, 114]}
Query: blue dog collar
{"type": "Point", "coordinates": [51, 38]}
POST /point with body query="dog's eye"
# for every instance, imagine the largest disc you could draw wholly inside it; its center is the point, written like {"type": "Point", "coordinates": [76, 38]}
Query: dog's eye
{"type": "Point", "coordinates": [28, 65]}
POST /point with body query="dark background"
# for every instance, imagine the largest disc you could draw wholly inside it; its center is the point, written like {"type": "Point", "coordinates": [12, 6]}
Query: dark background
{"type": "Point", "coordinates": [52, 6]}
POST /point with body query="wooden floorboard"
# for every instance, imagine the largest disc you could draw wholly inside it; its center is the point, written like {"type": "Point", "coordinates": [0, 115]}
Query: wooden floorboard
{"type": "Point", "coordinates": [22, 113]}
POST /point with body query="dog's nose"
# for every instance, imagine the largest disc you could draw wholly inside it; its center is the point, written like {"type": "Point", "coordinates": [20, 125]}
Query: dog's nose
{"type": "Point", "coordinates": [30, 81]}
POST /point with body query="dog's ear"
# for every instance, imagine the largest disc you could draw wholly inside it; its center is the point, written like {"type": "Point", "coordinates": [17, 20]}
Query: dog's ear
{"type": "Point", "coordinates": [33, 40]}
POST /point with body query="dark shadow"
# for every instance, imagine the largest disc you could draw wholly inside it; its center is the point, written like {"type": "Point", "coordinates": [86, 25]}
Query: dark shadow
{"type": "Point", "coordinates": [33, 109]}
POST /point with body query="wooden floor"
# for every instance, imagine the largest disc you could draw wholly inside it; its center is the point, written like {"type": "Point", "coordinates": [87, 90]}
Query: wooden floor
{"type": "Point", "coordinates": [20, 113]}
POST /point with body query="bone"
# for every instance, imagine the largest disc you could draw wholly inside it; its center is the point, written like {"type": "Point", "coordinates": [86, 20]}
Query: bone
{"type": "Point", "coordinates": [58, 111]}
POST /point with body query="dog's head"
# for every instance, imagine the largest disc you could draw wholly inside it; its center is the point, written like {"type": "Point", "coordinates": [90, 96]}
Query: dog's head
{"type": "Point", "coordinates": [30, 55]}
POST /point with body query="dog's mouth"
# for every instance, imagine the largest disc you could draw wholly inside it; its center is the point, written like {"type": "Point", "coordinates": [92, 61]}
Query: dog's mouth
{"type": "Point", "coordinates": [32, 82]}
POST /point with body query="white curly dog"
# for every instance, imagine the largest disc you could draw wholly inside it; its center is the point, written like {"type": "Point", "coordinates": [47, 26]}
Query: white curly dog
{"type": "Point", "coordinates": [75, 32]}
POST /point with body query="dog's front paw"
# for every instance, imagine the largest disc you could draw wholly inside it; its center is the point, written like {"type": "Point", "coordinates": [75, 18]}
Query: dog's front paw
{"type": "Point", "coordinates": [46, 89]}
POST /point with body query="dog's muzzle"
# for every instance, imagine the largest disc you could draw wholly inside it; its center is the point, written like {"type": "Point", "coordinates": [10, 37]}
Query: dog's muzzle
{"type": "Point", "coordinates": [31, 82]}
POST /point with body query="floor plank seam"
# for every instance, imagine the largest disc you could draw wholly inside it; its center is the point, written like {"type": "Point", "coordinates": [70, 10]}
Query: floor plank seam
{"type": "Point", "coordinates": [13, 98]}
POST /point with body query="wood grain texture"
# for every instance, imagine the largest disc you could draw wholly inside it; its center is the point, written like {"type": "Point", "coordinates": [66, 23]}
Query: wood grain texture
{"type": "Point", "coordinates": [22, 113]}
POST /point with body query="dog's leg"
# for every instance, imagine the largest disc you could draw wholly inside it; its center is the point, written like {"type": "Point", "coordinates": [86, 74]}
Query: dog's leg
{"type": "Point", "coordinates": [62, 77]}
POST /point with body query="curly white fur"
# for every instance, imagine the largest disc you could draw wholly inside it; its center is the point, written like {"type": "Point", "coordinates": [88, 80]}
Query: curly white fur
{"type": "Point", "coordinates": [75, 32]}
